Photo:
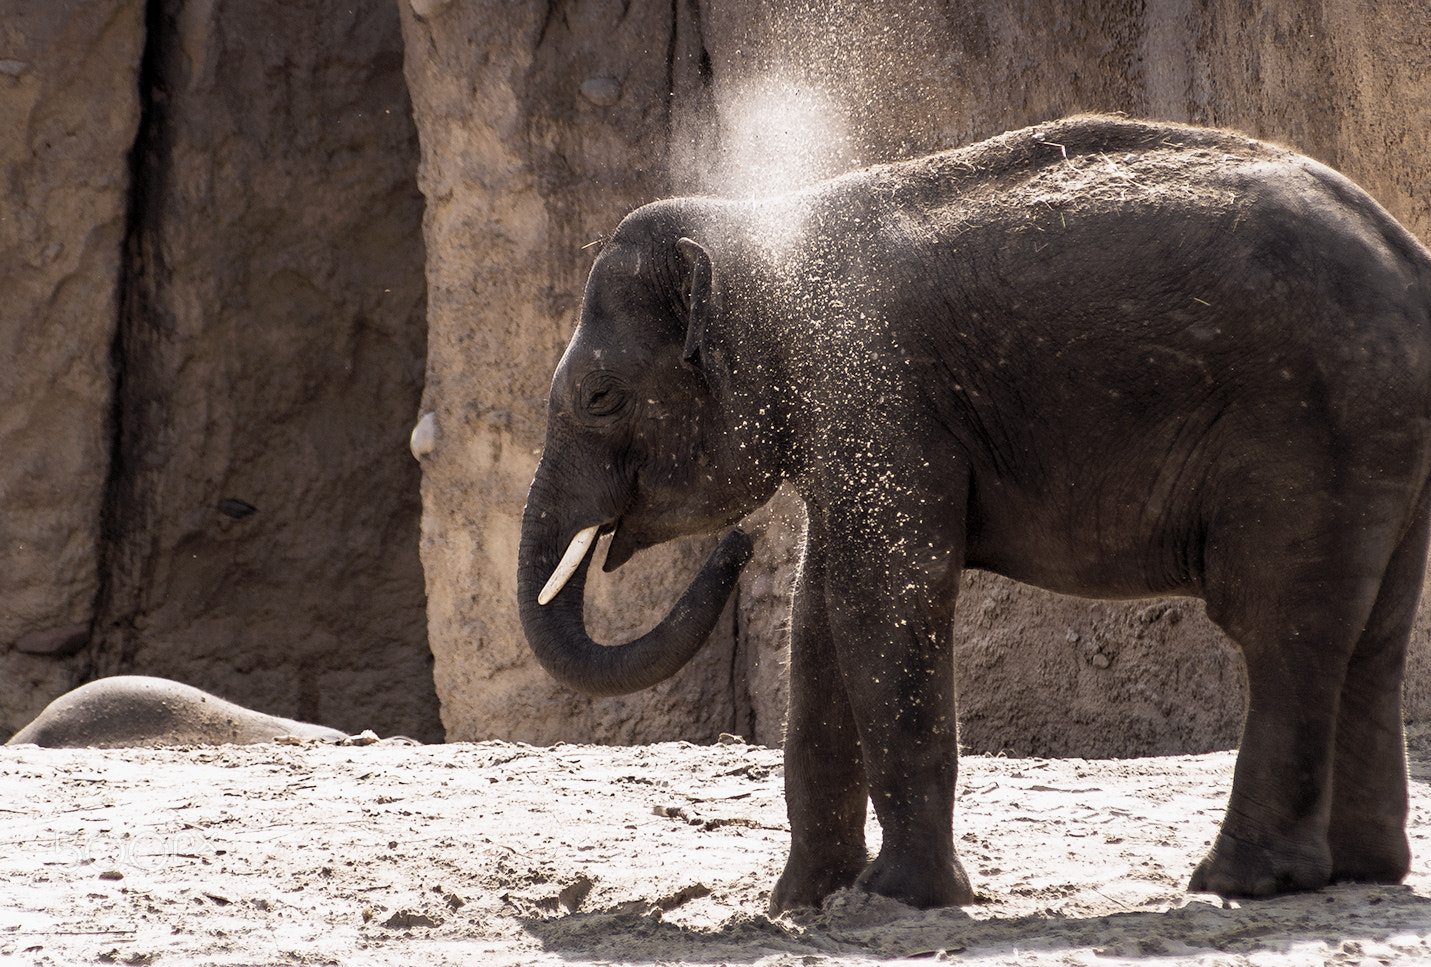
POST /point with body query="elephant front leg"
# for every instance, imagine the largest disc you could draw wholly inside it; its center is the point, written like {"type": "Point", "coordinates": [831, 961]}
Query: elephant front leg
{"type": "Point", "coordinates": [825, 791]}
{"type": "Point", "coordinates": [912, 763]}
{"type": "Point", "coordinates": [891, 616]}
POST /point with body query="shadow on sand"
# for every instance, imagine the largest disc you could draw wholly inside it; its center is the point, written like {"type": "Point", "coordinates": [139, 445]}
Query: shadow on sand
{"type": "Point", "coordinates": [1346, 918]}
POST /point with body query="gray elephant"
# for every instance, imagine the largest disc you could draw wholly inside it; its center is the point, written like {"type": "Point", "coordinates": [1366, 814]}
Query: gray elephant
{"type": "Point", "coordinates": [137, 710]}
{"type": "Point", "coordinates": [1107, 358]}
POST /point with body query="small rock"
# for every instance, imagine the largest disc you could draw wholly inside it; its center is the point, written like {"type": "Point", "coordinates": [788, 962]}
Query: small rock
{"type": "Point", "coordinates": [426, 8]}
{"type": "Point", "coordinates": [407, 919]}
{"type": "Point", "coordinates": [13, 68]}
{"type": "Point", "coordinates": [424, 436]}
{"type": "Point", "coordinates": [237, 509]}
{"type": "Point", "coordinates": [576, 893]}
{"type": "Point", "coordinates": [60, 642]}
{"type": "Point", "coordinates": [601, 91]}
{"type": "Point", "coordinates": [686, 894]}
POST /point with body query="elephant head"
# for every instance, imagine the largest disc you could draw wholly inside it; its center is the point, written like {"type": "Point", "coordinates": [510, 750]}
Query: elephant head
{"type": "Point", "coordinates": [640, 446]}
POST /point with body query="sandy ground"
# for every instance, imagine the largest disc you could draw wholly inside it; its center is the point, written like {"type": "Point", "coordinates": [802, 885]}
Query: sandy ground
{"type": "Point", "coordinates": [505, 854]}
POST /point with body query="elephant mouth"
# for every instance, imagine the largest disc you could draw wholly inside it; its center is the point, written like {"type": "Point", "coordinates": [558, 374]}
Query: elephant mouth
{"type": "Point", "coordinates": [623, 545]}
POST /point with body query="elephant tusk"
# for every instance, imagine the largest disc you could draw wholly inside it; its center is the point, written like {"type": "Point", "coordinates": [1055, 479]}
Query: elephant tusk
{"type": "Point", "coordinates": [570, 561]}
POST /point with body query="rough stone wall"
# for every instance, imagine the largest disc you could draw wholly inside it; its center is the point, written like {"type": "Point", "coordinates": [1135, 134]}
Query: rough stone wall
{"type": "Point", "coordinates": [521, 169]}
{"type": "Point", "coordinates": [271, 348]}
{"type": "Point", "coordinates": [542, 121]}
{"type": "Point", "coordinates": [69, 108]}
{"type": "Point", "coordinates": [261, 512]}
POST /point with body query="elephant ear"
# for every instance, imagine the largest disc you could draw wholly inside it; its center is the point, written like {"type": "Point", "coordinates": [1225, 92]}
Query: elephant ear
{"type": "Point", "coordinates": [697, 282]}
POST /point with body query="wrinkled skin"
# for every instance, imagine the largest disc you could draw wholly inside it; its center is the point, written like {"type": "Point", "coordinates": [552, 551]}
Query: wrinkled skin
{"type": "Point", "coordinates": [1105, 358]}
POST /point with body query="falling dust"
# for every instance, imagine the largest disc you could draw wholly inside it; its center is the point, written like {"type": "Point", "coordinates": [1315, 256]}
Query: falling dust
{"type": "Point", "coordinates": [779, 134]}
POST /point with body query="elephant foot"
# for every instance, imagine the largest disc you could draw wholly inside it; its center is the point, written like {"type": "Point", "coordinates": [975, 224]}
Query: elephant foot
{"type": "Point", "coordinates": [919, 881]}
{"type": "Point", "coordinates": [1238, 868]}
{"type": "Point", "coordinates": [1371, 854]}
{"type": "Point", "coordinates": [806, 884]}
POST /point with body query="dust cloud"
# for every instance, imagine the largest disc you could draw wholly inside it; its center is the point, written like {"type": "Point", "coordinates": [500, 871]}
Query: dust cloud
{"type": "Point", "coordinates": [779, 134]}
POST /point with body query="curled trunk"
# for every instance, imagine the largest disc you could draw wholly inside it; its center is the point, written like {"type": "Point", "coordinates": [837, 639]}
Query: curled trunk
{"type": "Point", "coordinates": [557, 634]}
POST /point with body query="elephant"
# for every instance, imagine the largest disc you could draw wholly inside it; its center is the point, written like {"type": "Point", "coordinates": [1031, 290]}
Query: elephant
{"type": "Point", "coordinates": [136, 710]}
{"type": "Point", "coordinates": [1105, 357]}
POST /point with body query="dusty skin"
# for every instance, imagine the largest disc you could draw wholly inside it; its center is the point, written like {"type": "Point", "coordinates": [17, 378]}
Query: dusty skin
{"type": "Point", "coordinates": [506, 854]}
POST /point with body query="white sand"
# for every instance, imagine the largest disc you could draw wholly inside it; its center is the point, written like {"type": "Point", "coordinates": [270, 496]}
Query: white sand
{"type": "Point", "coordinates": [503, 854]}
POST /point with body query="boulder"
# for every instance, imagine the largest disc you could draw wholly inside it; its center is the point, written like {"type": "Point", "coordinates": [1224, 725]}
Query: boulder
{"type": "Point", "coordinates": [126, 711]}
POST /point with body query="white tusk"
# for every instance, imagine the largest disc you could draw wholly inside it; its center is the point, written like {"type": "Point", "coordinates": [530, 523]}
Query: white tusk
{"type": "Point", "coordinates": [570, 561]}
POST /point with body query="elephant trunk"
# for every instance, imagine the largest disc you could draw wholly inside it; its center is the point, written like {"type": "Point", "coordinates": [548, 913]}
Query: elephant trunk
{"type": "Point", "coordinates": [556, 630]}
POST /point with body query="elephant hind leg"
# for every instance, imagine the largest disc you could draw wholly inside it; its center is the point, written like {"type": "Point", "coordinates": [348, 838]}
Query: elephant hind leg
{"type": "Point", "coordinates": [1367, 831]}
{"type": "Point", "coordinates": [1317, 580]}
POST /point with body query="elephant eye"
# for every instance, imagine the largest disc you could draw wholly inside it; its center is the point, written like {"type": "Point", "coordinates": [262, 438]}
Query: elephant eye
{"type": "Point", "coordinates": [602, 394]}
{"type": "Point", "coordinates": [604, 402]}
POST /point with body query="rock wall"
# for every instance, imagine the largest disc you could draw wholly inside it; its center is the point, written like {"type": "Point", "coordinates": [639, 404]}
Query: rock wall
{"type": "Point", "coordinates": [536, 124]}
{"type": "Point", "coordinates": [260, 514]}
{"type": "Point", "coordinates": [69, 109]}
{"type": "Point", "coordinates": [542, 121]}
